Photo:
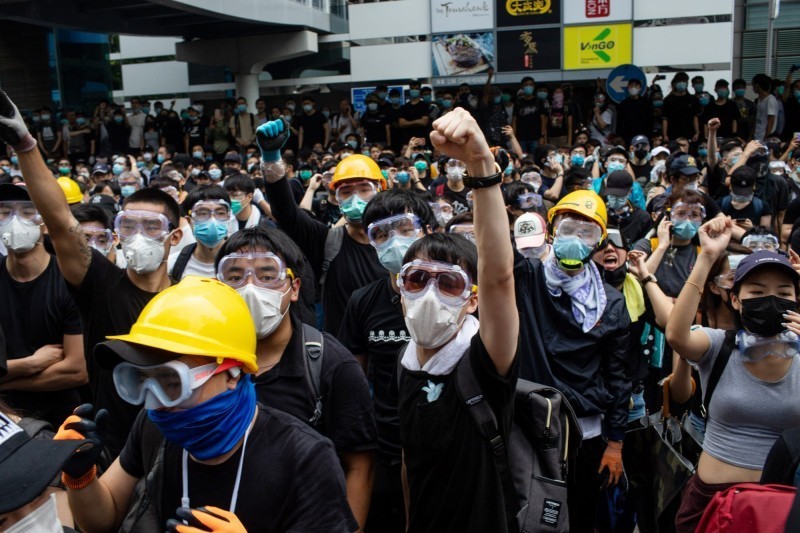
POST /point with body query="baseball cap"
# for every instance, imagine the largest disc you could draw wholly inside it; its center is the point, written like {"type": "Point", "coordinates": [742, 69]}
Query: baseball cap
{"type": "Point", "coordinates": [106, 202]}
{"type": "Point", "coordinates": [13, 193]}
{"type": "Point", "coordinates": [385, 162]}
{"type": "Point", "coordinates": [232, 156]}
{"type": "Point", "coordinates": [658, 150]}
{"type": "Point", "coordinates": [618, 150]}
{"type": "Point", "coordinates": [27, 465]}
{"type": "Point", "coordinates": [529, 231]}
{"type": "Point", "coordinates": [742, 183]}
{"type": "Point", "coordinates": [100, 168]}
{"type": "Point", "coordinates": [685, 164]}
{"type": "Point", "coordinates": [760, 259]}
{"type": "Point", "coordinates": [640, 139]}
{"type": "Point", "coordinates": [619, 183]}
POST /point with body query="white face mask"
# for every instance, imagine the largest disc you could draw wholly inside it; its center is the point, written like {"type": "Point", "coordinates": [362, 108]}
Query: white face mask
{"type": "Point", "coordinates": [265, 307]}
{"type": "Point", "coordinates": [20, 236]}
{"type": "Point", "coordinates": [431, 322]}
{"type": "Point", "coordinates": [443, 218]}
{"type": "Point", "coordinates": [455, 176]}
{"type": "Point", "coordinates": [142, 254]}
{"type": "Point", "coordinates": [43, 519]}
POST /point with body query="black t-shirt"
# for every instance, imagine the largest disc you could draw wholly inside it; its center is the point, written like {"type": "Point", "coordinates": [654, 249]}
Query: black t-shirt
{"type": "Point", "coordinates": [374, 125]}
{"type": "Point", "coordinates": [748, 212]}
{"type": "Point", "coordinates": [347, 415]}
{"type": "Point", "coordinates": [680, 112]}
{"type": "Point", "coordinates": [642, 172]}
{"type": "Point", "coordinates": [634, 117]}
{"type": "Point", "coordinates": [675, 267]}
{"type": "Point", "coordinates": [291, 479]}
{"type": "Point", "coordinates": [196, 131]}
{"type": "Point", "coordinates": [792, 212]}
{"type": "Point", "coordinates": [109, 304]}
{"type": "Point", "coordinates": [557, 123]}
{"type": "Point", "coordinates": [715, 182]}
{"type": "Point", "coordinates": [32, 314]}
{"type": "Point", "coordinates": [727, 114]}
{"type": "Point", "coordinates": [313, 128]}
{"type": "Point", "coordinates": [416, 111]}
{"type": "Point", "coordinates": [635, 226]}
{"type": "Point", "coordinates": [791, 110]}
{"type": "Point", "coordinates": [458, 199]}
{"type": "Point", "coordinates": [373, 325]}
{"type": "Point", "coordinates": [529, 119]}
{"type": "Point", "coordinates": [452, 477]}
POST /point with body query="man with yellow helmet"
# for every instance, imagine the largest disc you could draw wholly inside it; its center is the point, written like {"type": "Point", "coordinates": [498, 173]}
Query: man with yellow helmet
{"type": "Point", "coordinates": [574, 337]}
{"type": "Point", "coordinates": [201, 445]}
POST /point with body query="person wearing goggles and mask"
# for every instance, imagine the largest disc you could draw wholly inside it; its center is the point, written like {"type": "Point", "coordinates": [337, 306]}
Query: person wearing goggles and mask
{"type": "Point", "coordinates": [450, 185]}
{"type": "Point", "coordinates": [742, 206]}
{"type": "Point", "coordinates": [520, 198]}
{"type": "Point", "coordinates": [212, 455]}
{"type": "Point", "coordinates": [108, 298]}
{"type": "Point", "coordinates": [264, 266]}
{"type": "Point", "coordinates": [442, 212]}
{"type": "Point", "coordinates": [586, 352]}
{"type": "Point", "coordinates": [445, 455]}
{"type": "Point", "coordinates": [530, 236]}
{"type": "Point", "coordinates": [759, 362]}
{"type": "Point", "coordinates": [633, 222]}
{"type": "Point", "coordinates": [99, 230]}
{"type": "Point", "coordinates": [341, 258]}
{"type": "Point", "coordinates": [43, 340]}
{"type": "Point", "coordinates": [615, 159]}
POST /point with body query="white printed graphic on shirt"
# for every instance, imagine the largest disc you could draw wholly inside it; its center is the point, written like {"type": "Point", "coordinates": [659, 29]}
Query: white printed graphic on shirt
{"type": "Point", "coordinates": [401, 336]}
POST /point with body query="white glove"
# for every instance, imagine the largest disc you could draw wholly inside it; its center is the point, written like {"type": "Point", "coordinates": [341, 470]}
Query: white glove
{"type": "Point", "coordinates": [13, 130]}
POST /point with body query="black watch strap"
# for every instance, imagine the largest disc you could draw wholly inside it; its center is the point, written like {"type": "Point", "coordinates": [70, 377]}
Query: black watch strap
{"type": "Point", "coordinates": [480, 183]}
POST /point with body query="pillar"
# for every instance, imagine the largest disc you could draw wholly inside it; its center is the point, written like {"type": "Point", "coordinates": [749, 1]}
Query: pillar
{"type": "Point", "coordinates": [247, 87]}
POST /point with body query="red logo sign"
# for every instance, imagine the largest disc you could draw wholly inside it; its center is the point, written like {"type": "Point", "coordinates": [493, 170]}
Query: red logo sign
{"type": "Point", "coordinates": [598, 8]}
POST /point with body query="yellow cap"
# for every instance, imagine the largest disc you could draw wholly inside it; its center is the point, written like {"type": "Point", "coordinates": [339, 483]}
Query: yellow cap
{"type": "Point", "coordinates": [198, 316]}
{"type": "Point", "coordinates": [357, 166]}
{"type": "Point", "coordinates": [71, 190]}
{"type": "Point", "coordinates": [582, 202]}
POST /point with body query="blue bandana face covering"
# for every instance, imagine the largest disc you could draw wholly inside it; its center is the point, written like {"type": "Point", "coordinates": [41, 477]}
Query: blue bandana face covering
{"type": "Point", "coordinates": [212, 428]}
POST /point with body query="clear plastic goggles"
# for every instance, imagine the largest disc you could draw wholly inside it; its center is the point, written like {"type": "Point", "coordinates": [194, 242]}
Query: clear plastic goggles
{"type": "Point", "coordinates": [23, 210]}
{"type": "Point", "coordinates": [693, 212]}
{"type": "Point", "coordinates": [531, 178]}
{"type": "Point", "coordinates": [452, 283]}
{"type": "Point", "coordinates": [589, 232]}
{"type": "Point", "coordinates": [148, 223]}
{"type": "Point", "coordinates": [754, 348]}
{"type": "Point", "coordinates": [171, 383]}
{"type": "Point", "coordinates": [454, 166]}
{"type": "Point", "coordinates": [205, 209]}
{"type": "Point", "coordinates": [364, 189]}
{"type": "Point", "coordinates": [438, 208]}
{"type": "Point", "coordinates": [761, 242]}
{"type": "Point", "coordinates": [725, 281]}
{"type": "Point", "coordinates": [99, 237]}
{"type": "Point", "coordinates": [529, 200]}
{"type": "Point", "coordinates": [465, 230]}
{"type": "Point", "coordinates": [404, 225]}
{"type": "Point", "coordinates": [264, 268]}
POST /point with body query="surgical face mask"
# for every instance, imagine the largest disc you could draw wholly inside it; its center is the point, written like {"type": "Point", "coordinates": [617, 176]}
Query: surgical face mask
{"type": "Point", "coordinates": [118, 120]}
{"type": "Point", "coordinates": [426, 98]}
{"type": "Point", "coordinates": [305, 175]}
{"type": "Point", "coordinates": [739, 92]}
{"type": "Point", "coordinates": [127, 190]}
{"type": "Point", "coordinates": [215, 173]}
{"type": "Point", "coordinates": [704, 101]}
{"type": "Point", "coordinates": [413, 93]}
{"type": "Point", "coordinates": [241, 108]}
{"type": "Point", "coordinates": [236, 206]}
{"type": "Point", "coordinates": [160, 158]}
{"type": "Point", "coordinates": [307, 108]}
{"type": "Point", "coordinates": [633, 91]}
{"type": "Point", "coordinates": [195, 172]}
{"type": "Point", "coordinates": [325, 113]}
{"type": "Point", "coordinates": [447, 104]}
{"type": "Point", "coordinates": [685, 229]}
{"type": "Point", "coordinates": [722, 93]}
{"type": "Point", "coordinates": [764, 315]}
{"type": "Point", "coordinates": [402, 177]}
{"type": "Point", "coordinates": [6, 168]}
{"type": "Point", "coordinates": [614, 166]}
{"type": "Point", "coordinates": [527, 90]}
{"type": "Point", "coordinates": [43, 519]}
{"type": "Point", "coordinates": [443, 218]}
{"type": "Point", "coordinates": [702, 152]}
{"type": "Point", "coordinates": [353, 144]}
{"type": "Point", "coordinates": [742, 198]}
{"type": "Point", "coordinates": [391, 253]}
{"type": "Point", "coordinates": [571, 251]}
{"type": "Point", "coordinates": [64, 171]}
{"type": "Point", "coordinates": [46, 118]}
{"type": "Point", "coordinates": [140, 165]}
{"type": "Point", "coordinates": [372, 106]}
{"type": "Point", "coordinates": [796, 93]}
{"type": "Point", "coordinates": [210, 232]}
{"type": "Point", "coordinates": [143, 255]}
{"type": "Point", "coordinates": [658, 103]}
{"type": "Point", "coordinates": [681, 86]}
{"type": "Point", "coordinates": [431, 322]}
{"type": "Point", "coordinates": [616, 202]}
{"type": "Point", "coordinates": [20, 236]}
{"type": "Point", "coordinates": [533, 253]}
{"type": "Point", "coordinates": [265, 307]}
{"type": "Point", "coordinates": [394, 100]}
{"type": "Point", "coordinates": [421, 166]}
{"type": "Point", "coordinates": [577, 160]}
{"type": "Point", "coordinates": [541, 95]}
{"type": "Point", "coordinates": [353, 208]}
{"type": "Point", "coordinates": [735, 159]}
{"type": "Point", "coordinates": [693, 186]}
{"type": "Point", "coordinates": [291, 106]}
{"type": "Point", "coordinates": [197, 155]}
{"type": "Point", "coordinates": [698, 87]}
{"type": "Point", "coordinates": [505, 98]}
{"type": "Point", "coordinates": [117, 169]}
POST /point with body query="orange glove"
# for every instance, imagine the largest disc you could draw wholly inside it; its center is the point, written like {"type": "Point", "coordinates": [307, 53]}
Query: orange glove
{"type": "Point", "coordinates": [612, 459]}
{"type": "Point", "coordinates": [204, 520]}
{"type": "Point", "coordinates": [80, 426]}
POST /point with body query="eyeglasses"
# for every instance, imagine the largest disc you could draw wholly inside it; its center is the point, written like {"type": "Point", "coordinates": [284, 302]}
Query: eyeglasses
{"type": "Point", "coordinates": [529, 200]}
{"type": "Point", "coordinates": [589, 232]}
{"type": "Point", "coordinates": [152, 225]}
{"type": "Point", "coordinates": [453, 284]}
{"type": "Point", "coordinates": [23, 210]}
{"type": "Point", "coordinates": [761, 242]}
{"type": "Point", "coordinates": [364, 189]}
{"type": "Point", "coordinates": [465, 230]}
{"type": "Point", "coordinates": [265, 268]}
{"type": "Point", "coordinates": [171, 383]}
{"type": "Point", "coordinates": [205, 209]}
{"type": "Point", "coordinates": [693, 212]}
{"type": "Point", "coordinates": [403, 225]}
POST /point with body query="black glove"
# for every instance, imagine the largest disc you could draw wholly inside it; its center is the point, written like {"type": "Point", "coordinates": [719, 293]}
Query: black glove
{"type": "Point", "coordinates": [79, 427]}
{"type": "Point", "coordinates": [502, 159]}
{"type": "Point", "coordinates": [271, 136]}
{"type": "Point", "coordinates": [13, 130]}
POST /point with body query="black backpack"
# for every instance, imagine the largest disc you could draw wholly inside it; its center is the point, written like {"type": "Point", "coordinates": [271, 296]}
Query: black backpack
{"type": "Point", "coordinates": [183, 259]}
{"type": "Point", "coordinates": [533, 464]}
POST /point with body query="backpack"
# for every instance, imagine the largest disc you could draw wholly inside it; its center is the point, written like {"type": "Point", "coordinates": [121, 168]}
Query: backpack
{"type": "Point", "coordinates": [183, 259]}
{"type": "Point", "coordinates": [333, 244]}
{"type": "Point", "coordinates": [314, 345]}
{"type": "Point", "coordinates": [758, 205]}
{"type": "Point", "coordinates": [544, 437]}
{"type": "Point", "coordinates": [748, 507]}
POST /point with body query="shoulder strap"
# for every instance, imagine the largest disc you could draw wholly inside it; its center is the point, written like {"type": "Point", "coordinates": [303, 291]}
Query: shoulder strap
{"type": "Point", "coordinates": [716, 371]}
{"type": "Point", "coordinates": [314, 345]}
{"type": "Point", "coordinates": [726, 202]}
{"type": "Point", "coordinates": [182, 261]}
{"type": "Point", "coordinates": [758, 206]}
{"type": "Point", "coordinates": [333, 243]}
{"type": "Point", "coordinates": [252, 122]}
{"type": "Point", "coordinates": [33, 426]}
{"type": "Point", "coordinates": [481, 413]}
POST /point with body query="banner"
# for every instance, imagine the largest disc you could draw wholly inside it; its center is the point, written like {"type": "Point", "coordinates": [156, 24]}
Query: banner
{"type": "Point", "coordinates": [462, 54]}
{"type": "Point", "coordinates": [597, 11]}
{"type": "Point", "coordinates": [529, 50]}
{"type": "Point", "coordinates": [461, 15]}
{"type": "Point", "coordinates": [528, 12]}
{"type": "Point", "coordinates": [597, 46]}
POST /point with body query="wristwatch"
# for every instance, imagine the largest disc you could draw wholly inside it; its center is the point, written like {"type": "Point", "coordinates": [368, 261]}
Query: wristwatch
{"type": "Point", "coordinates": [648, 279]}
{"type": "Point", "coordinates": [488, 181]}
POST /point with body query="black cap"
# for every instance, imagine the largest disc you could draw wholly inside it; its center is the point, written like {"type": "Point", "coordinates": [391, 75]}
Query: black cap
{"type": "Point", "coordinates": [13, 193]}
{"type": "Point", "coordinates": [763, 258]}
{"type": "Point", "coordinates": [619, 183]}
{"type": "Point", "coordinates": [385, 162]}
{"type": "Point", "coordinates": [685, 164]}
{"type": "Point", "coordinates": [619, 150]}
{"type": "Point", "coordinates": [233, 156]}
{"type": "Point", "coordinates": [106, 202]}
{"type": "Point", "coordinates": [640, 139]}
{"type": "Point", "coordinates": [742, 183]}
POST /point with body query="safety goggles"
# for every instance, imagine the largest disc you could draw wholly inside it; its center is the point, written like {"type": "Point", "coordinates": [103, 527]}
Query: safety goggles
{"type": "Point", "coordinates": [454, 166]}
{"type": "Point", "coordinates": [171, 383]}
{"type": "Point", "coordinates": [99, 237]}
{"type": "Point", "coordinates": [761, 242]}
{"type": "Point", "coordinates": [205, 209]}
{"type": "Point", "coordinates": [532, 178]}
{"type": "Point", "coordinates": [364, 189]}
{"type": "Point", "coordinates": [589, 232]}
{"type": "Point", "coordinates": [452, 283]}
{"type": "Point", "coordinates": [725, 281]}
{"type": "Point", "coordinates": [529, 200]}
{"type": "Point", "coordinates": [265, 268]}
{"type": "Point", "coordinates": [465, 230]}
{"type": "Point", "coordinates": [404, 225]}
{"type": "Point", "coordinates": [148, 223]}
{"type": "Point", "coordinates": [754, 348]}
{"type": "Point", "coordinates": [23, 210]}
{"type": "Point", "coordinates": [438, 208]}
{"type": "Point", "coordinates": [693, 212]}
{"type": "Point", "coordinates": [614, 238]}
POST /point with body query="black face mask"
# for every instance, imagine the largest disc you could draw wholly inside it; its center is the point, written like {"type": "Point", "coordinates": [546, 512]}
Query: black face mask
{"type": "Point", "coordinates": [616, 277]}
{"type": "Point", "coordinates": [764, 315]}
{"type": "Point", "coordinates": [640, 154]}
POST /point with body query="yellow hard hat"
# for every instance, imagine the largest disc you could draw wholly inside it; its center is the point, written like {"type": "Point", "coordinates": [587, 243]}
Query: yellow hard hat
{"type": "Point", "coordinates": [198, 316]}
{"type": "Point", "coordinates": [71, 190]}
{"type": "Point", "coordinates": [583, 202]}
{"type": "Point", "coordinates": [357, 166]}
